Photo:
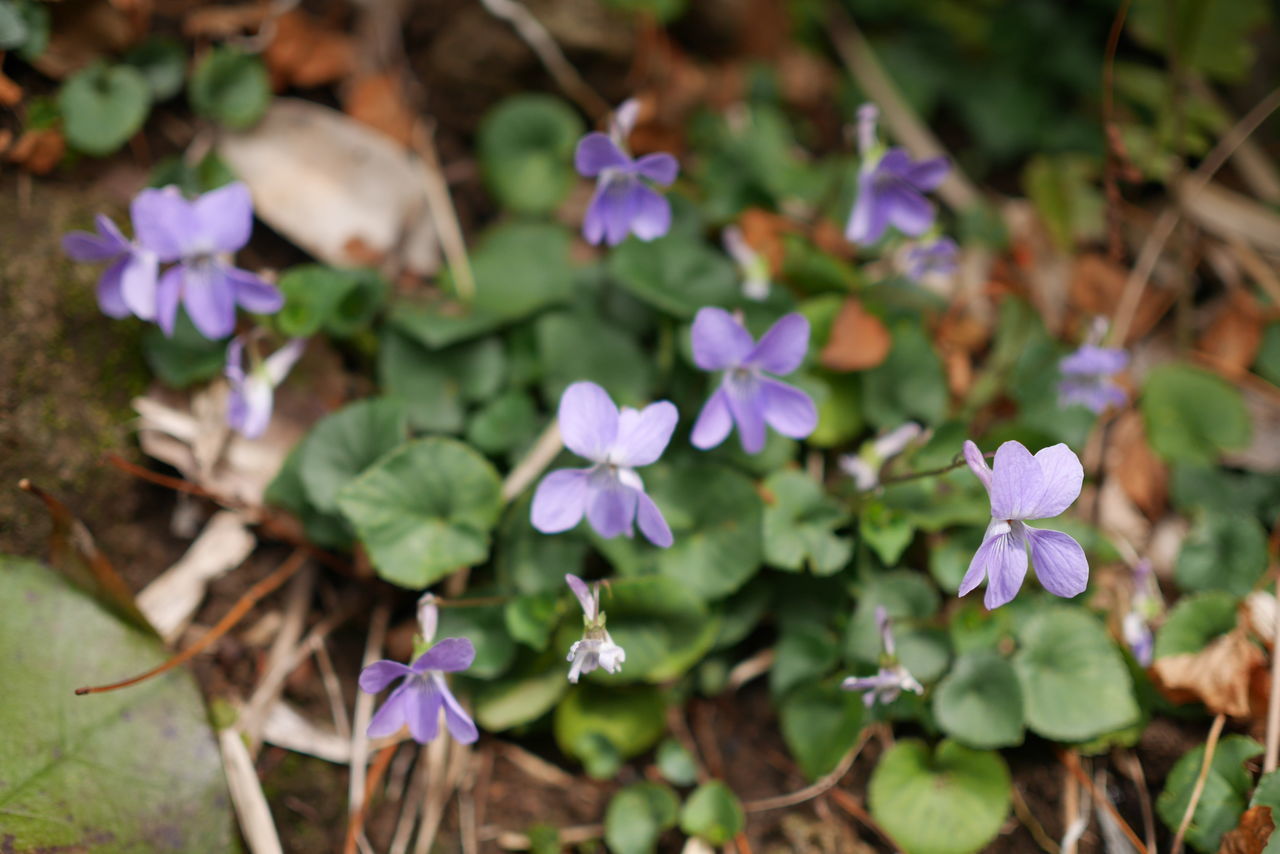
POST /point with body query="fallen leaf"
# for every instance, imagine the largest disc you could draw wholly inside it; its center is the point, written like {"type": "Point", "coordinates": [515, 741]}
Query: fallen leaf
{"type": "Point", "coordinates": [1218, 675]}
{"type": "Point", "coordinates": [1233, 337]}
{"type": "Point", "coordinates": [10, 92]}
{"type": "Point", "coordinates": [859, 340]}
{"type": "Point", "coordinates": [1252, 834]}
{"type": "Point", "coordinates": [763, 232]}
{"type": "Point", "coordinates": [1096, 288]}
{"type": "Point", "coordinates": [38, 151]}
{"type": "Point", "coordinates": [82, 32]}
{"type": "Point", "coordinates": [336, 188]}
{"type": "Point", "coordinates": [1260, 614]}
{"type": "Point", "coordinates": [75, 554]}
{"type": "Point", "coordinates": [1142, 475]}
{"type": "Point", "coordinates": [377, 101]}
{"type": "Point", "coordinates": [305, 52]}
{"type": "Point", "coordinates": [221, 22]}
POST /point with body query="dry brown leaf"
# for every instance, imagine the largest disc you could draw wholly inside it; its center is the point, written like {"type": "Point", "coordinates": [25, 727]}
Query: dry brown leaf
{"type": "Point", "coordinates": [10, 92]}
{"type": "Point", "coordinates": [1218, 675]}
{"type": "Point", "coordinates": [763, 232]}
{"type": "Point", "coordinates": [828, 236]}
{"type": "Point", "coordinates": [1252, 834]}
{"type": "Point", "coordinates": [220, 22]}
{"type": "Point", "coordinates": [1234, 335]}
{"type": "Point", "coordinates": [83, 31]}
{"type": "Point", "coordinates": [377, 101]}
{"type": "Point", "coordinates": [305, 52]}
{"type": "Point", "coordinates": [38, 151]}
{"type": "Point", "coordinates": [1142, 474]}
{"type": "Point", "coordinates": [859, 340]}
{"type": "Point", "coordinates": [1096, 287]}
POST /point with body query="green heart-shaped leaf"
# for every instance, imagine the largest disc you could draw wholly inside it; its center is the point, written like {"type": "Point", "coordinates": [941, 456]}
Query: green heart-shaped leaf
{"type": "Point", "coordinates": [102, 106]}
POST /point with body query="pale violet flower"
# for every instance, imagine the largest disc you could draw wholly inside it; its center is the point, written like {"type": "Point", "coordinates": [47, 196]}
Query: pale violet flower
{"type": "Point", "coordinates": [200, 235]}
{"type": "Point", "coordinates": [128, 285]}
{"type": "Point", "coordinates": [253, 392]}
{"type": "Point", "coordinates": [864, 467]}
{"type": "Point", "coordinates": [1088, 378]}
{"type": "Point", "coordinates": [623, 203]}
{"type": "Point", "coordinates": [596, 649]}
{"type": "Point", "coordinates": [609, 493]}
{"type": "Point", "coordinates": [748, 396]}
{"type": "Point", "coordinates": [424, 692]}
{"type": "Point", "coordinates": [1145, 605]}
{"type": "Point", "coordinates": [891, 187]}
{"type": "Point", "coordinates": [752, 266]}
{"type": "Point", "coordinates": [936, 258]}
{"type": "Point", "coordinates": [1024, 487]}
{"type": "Point", "coordinates": [892, 678]}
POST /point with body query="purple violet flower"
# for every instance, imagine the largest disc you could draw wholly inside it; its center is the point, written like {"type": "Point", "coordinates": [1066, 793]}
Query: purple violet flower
{"type": "Point", "coordinates": [1088, 378]}
{"type": "Point", "coordinates": [747, 396]}
{"type": "Point", "coordinates": [596, 649]}
{"type": "Point", "coordinates": [623, 202]}
{"type": "Point", "coordinates": [936, 257]}
{"type": "Point", "coordinates": [609, 493]}
{"type": "Point", "coordinates": [891, 192]}
{"type": "Point", "coordinates": [128, 285]}
{"type": "Point", "coordinates": [418, 700]}
{"type": "Point", "coordinates": [1144, 606]}
{"type": "Point", "coordinates": [253, 393]}
{"type": "Point", "coordinates": [1023, 487]}
{"type": "Point", "coordinates": [197, 234]}
{"type": "Point", "coordinates": [892, 678]}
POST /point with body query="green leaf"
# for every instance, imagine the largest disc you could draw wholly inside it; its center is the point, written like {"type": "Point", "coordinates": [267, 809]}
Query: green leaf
{"type": "Point", "coordinates": [1063, 189]}
{"type": "Point", "coordinates": [905, 595]}
{"type": "Point", "coordinates": [163, 63]}
{"type": "Point", "coordinates": [531, 619]}
{"type": "Point", "coordinates": [185, 358]}
{"type": "Point", "coordinates": [424, 510]}
{"type": "Point", "coordinates": [1194, 621]}
{"type": "Point", "coordinates": [327, 530]}
{"type": "Point", "coordinates": [887, 531]}
{"type": "Point", "coordinates": [115, 771]}
{"type": "Point", "coordinates": [676, 274]}
{"type": "Point", "coordinates": [637, 815]}
{"type": "Point", "coordinates": [1267, 794]}
{"type": "Point", "coordinates": [526, 146]}
{"type": "Point", "coordinates": [979, 703]}
{"type": "Point", "coordinates": [341, 302]}
{"type": "Point", "coordinates": [574, 347]}
{"type": "Point", "coordinates": [676, 763]}
{"type": "Point", "coordinates": [1192, 415]}
{"type": "Point", "coordinates": [1225, 793]}
{"type": "Point", "coordinates": [230, 87]}
{"type": "Point", "coordinates": [800, 522]}
{"type": "Point", "coordinates": [629, 719]}
{"type": "Point", "coordinates": [909, 385]}
{"type": "Point", "coordinates": [505, 425]}
{"type": "Point", "coordinates": [713, 813]}
{"type": "Point", "coordinates": [804, 652]}
{"type": "Point", "coordinates": [531, 561]}
{"type": "Point", "coordinates": [664, 628]}
{"type": "Point", "coordinates": [820, 724]}
{"type": "Point", "coordinates": [501, 704]}
{"type": "Point", "coordinates": [345, 443]}
{"type": "Point", "coordinates": [662, 11]}
{"type": "Point", "coordinates": [949, 801]}
{"type": "Point", "coordinates": [1222, 553]}
{"type": "Point", "coordinates": [102, 106]}
{"type": "Point", "coordinates": [486, 628]}
{"type": "Point", "coordinates": [1267, 363]}
{"type": "Point", "coordinates": [1211, 36]}
{"type": "Point", "coordinates": [519, 269]}
{"type": "Point", "coordinates": [433, 386]}
{"type": "Point", "coordinates": [1074, 681]}
{"type": "Point", "coordinates": [838, 398]}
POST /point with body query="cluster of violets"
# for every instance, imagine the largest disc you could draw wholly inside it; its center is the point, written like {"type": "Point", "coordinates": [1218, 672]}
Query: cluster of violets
{"type": "Point", "coordinates": [199, 237]}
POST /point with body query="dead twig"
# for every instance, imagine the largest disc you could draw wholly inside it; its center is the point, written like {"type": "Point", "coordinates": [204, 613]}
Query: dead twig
{"type": "Point", "coordinates": [818, 787]}
{"type": "Point", "coordinates": [853, 807]}
{"type": "Point", "coordinates": [364, 709]}
{"type": "Point", "coordinates": [355, 827]}
{"type": "Point", "coordinates": [1072, 763]}
{"type": "Point", "coordinates": [1131, 766]}
{"type": "Point", "coordinates": [250, 803]}
{"type": "Point", "coordinates": [1032, 824]}
{"type": "Point", "coordinates": [533, 463]}
{"type": "Point", "coordinates": [279, 659]}
{"type": "Point", "coordinates": [1210, 745]}
{"type": "Point", "coordinates": [246, 602]}
{"type": "Point", "coordinates": [443, 214]}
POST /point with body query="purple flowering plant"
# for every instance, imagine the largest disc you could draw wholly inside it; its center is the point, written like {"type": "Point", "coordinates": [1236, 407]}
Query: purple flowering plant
{"type": "Point", "coordinates": [747, 396]}
{"type": "Point", "coordinates": [891, 187]}
{"type": "Point", "coordinates": [596, 649]}
{"type": "Point", "coordinates": [252, 396]}
{"type": "Point", "coordinates": [424, 693]}
{"type": "Point", "coordinates": [623, 203]}
{"type": "Point", "coordinates": [892, 678]}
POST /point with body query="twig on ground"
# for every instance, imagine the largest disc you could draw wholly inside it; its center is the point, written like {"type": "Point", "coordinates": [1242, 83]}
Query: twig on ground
{"type": "Point", "coordinates": [444, 217]}
{"type": "Point", "coordinates": [246, 602]}
{"type": "Point", "coordinates": [535, 35]}
{"type": "Point", "coordinates": [250, 803]}
{"type": "Point", "coordinates": [279, 659]}
{"type": "Point", "coordinates": [853, 807]}
{"type": "Point", "coordinates": [364, 708]}
{"type": "Point", "coordinates": [355, 824]}
{"type": "Point", "coordinates": [537, 767]}
{"type": "Point", "coordinates": [533, 463]}
{"type": "Point", "coordinates": [1210, 745]}
{"type": "Point", "coordinates": [1072, 763]}
{"type": "Point", "coordinates": [818, 787]}
{"type": "Point", "coordinates": [410, 808]}
{"type": "Point", "coordinates": [1131, 766]}
{"type": "Point", "coordinates": [1032, 824]}
{"type": "Point", "coordinates": [747, 669]}
{"type": "Point", "coordinates": [1136, 284]}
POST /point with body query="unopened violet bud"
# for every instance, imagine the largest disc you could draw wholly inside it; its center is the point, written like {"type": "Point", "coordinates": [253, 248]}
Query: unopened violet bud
{"type": "Point", "coordinates": [936, 258]}
{"type": "Point", "coordinates": [748, 396]}
{"type": "Point", "coordinates": [1088, 378]}
{"type": "Point", "coordinates": [864, 467]}
{"type": "Point", "coordinates": [428, 617]}
{"type": "Point", "coordinates": [1024, 487]}
{"type": "Point", "coordinates": [868, 117]}
{"type": "Point", "coordinates": [892, 678]}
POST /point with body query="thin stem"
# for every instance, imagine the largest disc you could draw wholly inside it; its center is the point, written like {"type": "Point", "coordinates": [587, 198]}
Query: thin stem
{"type": "Point", "coordinates": [1273, 703]}
{"type": "Point", "coordinates": [1072, 763]}
{"type": "Point", "coordinates": [817, 788]}
{"type": "Point", "coordinates": [264, 587]}
{"type": "Point", "coordinates": [1215, 732]}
